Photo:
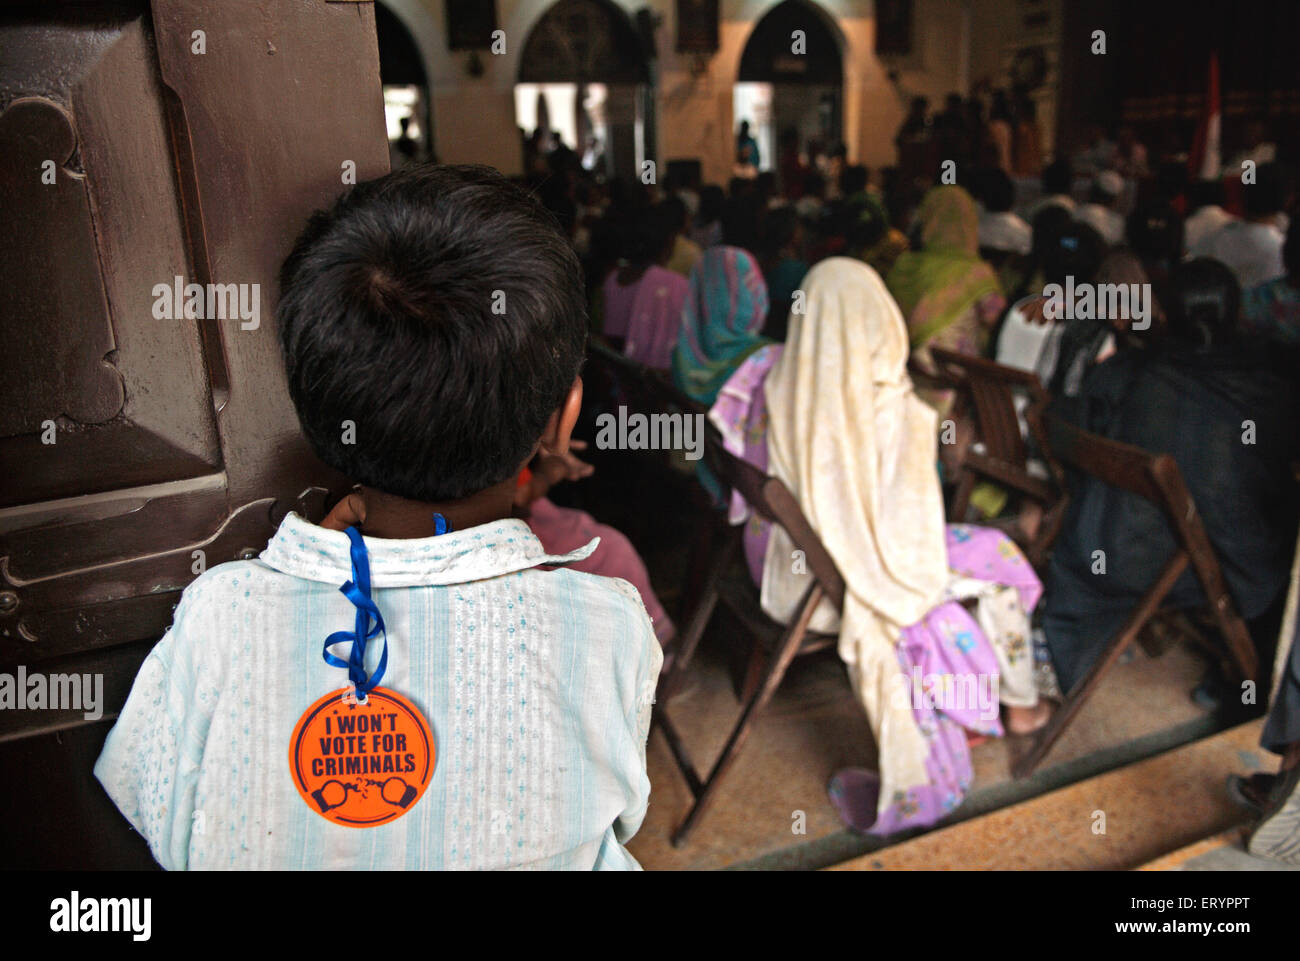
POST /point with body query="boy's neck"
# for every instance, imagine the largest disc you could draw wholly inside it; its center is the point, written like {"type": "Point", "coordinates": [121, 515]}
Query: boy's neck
{"type": "Point", "coordinates": [391, 517]}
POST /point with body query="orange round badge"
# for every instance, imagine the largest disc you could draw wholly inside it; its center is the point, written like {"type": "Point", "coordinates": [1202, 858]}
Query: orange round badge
{"type": "Point", "coordinates": [361, 764]}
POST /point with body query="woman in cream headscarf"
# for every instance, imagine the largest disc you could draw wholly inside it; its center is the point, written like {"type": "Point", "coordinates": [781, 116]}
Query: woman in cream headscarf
{"type": "Point", "coordinates": [834, 416]}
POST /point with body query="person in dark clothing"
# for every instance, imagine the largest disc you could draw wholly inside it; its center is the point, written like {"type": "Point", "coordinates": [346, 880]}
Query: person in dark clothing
{"type": "Point", "coordinates": [1086, 342]}
{"type": "Point", "coordinates": [783, 267]}
{"type": "Point", "coordinates": [916, 146]}
{"type": "Point", "coordinates": [1281, 733]}
{"type": "Point", "coordinates": [1215, 404]}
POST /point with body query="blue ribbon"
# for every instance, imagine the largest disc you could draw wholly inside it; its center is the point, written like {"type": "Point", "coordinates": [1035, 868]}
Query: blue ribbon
{"type": "Point", "coordinates": [357, 591]}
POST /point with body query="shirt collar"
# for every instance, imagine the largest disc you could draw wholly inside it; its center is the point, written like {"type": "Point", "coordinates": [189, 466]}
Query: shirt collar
{"type": "Point", "coordinates": [303, 549]}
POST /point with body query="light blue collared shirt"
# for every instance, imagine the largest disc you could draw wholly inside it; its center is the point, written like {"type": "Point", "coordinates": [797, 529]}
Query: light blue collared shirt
{"type": "Point", "coordinates": [537, 686]}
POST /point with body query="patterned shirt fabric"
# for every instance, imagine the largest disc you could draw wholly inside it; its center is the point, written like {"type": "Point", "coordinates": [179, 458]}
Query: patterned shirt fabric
{"type": "Point", "coordinates": [1272, 311]}
{"type": "Point", "coordinates": [536, 684]}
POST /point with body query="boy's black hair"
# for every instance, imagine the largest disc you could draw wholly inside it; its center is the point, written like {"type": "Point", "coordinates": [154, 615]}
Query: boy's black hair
{"type": "Point", "coordinates": [440, 310]}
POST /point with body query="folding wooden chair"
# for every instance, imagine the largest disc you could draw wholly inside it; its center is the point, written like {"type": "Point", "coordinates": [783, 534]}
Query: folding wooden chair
{"type": "Point", "coordinates": [668, 396]}
{"type": "Point", "coordinates": [986, 393]}
{"type": "Point", "coordinates": [621, 380]}
{"type": "Point", "coordinates": [662, 396]}
{"type": "Point", "coordinates": [772, 646]}
{"type": "Point", "coordinates": [1156, 478]}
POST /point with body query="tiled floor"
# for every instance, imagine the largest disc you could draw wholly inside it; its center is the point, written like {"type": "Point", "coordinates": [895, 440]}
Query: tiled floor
{"type": "Point", "coordinates": [772, 810]}
{"type": "Point", "coordinates": [815, 727]}
{"type": "Point", "coordinates": [1119, 820]}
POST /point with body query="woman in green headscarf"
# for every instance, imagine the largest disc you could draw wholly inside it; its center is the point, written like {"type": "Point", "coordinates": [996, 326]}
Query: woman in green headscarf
{"type": "Point", "coordinates": [949, 296]}
{"type": "Point", "coordinates": [721, 321]}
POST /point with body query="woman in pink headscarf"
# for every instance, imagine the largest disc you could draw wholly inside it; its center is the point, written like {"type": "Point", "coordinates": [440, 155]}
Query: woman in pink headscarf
{"type": "Point", "coordinates": [643, 299]}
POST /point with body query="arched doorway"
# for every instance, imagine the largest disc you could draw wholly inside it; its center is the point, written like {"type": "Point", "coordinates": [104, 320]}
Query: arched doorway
{"type": "Point", "coordinates": [583, 83]}
{"type": "Point", "coordinates": [779, 88]}
{"type": "Point", "coordinates": [408, 112]}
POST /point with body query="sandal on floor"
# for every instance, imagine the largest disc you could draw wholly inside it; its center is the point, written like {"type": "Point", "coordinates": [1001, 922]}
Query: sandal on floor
{"type": "Point", "coordinates": [1252, 792]}
{"type": "Point", "coordinates": [855, 794]}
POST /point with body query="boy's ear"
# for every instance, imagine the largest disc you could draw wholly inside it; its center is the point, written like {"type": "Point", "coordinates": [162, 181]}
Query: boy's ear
{"type": "Point", "coordinates": [559, 429]}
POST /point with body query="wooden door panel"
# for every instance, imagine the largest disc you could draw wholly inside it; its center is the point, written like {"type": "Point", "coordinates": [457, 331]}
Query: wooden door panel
{"type": "Point", "coordinates": [173, 435]}
{"type": "Point", "coordinates": [96, 394]}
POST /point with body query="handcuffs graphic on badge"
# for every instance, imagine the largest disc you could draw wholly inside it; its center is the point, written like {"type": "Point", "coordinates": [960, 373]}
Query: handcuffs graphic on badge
{"type": "Point", "coordinates": [362, 756]}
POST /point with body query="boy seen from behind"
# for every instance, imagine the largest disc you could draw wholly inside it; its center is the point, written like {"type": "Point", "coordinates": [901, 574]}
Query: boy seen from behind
{"type": "Point", "coordinates": [433, 326]}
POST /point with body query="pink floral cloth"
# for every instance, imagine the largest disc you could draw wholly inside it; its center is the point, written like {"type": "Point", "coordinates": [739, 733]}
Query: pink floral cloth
{"type": "Point", "coordinates": [948, 643]}
{"type": "Point", "coordinates": [740, 414]}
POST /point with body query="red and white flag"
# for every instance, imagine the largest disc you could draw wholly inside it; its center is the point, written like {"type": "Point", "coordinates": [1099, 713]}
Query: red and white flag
{"type": "Point", "coordinates": [1205, 161]}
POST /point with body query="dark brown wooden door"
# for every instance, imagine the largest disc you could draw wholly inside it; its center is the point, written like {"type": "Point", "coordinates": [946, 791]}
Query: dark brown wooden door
{"type": "Point", "coordinates": [146, 145]}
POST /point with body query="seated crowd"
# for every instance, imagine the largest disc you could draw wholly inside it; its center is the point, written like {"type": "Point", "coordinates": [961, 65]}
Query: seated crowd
{"type": "Point", "coordinates": [808, 305]}
{"type": "Point", "coordinates": [802, 309]}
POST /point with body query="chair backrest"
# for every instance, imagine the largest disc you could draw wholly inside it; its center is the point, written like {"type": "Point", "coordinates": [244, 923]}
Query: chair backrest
{"type": "Point", "coordinates": [1157, 478]}
{"type": "Point", "coordinates": [1120, 465]}
{"type": "Point", "coordinates": [772, 501]}
{"type": "Point", "coordinates": [988, 390]}
{"type": "Point", "coordinates": [621, 377]}
{"type": "Point", "coordinates": [640, 387]}
{"type": "Point", "coordinates": [618, 381]}
{"type": "Point", "coordinates": [991, 390]}
{"type": "Point", "coordinates": [667, 397]}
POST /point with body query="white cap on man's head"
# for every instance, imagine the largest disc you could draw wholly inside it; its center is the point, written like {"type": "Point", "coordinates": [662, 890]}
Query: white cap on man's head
{"type": "Point", "coordinates": [1109, 183]}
